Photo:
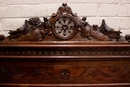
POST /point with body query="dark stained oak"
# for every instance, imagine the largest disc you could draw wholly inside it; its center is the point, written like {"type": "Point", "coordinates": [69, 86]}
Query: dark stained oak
{"type": "Point", "coordinates": [64, 51]}
{"type": "Point", "coordinates": [70, 64]}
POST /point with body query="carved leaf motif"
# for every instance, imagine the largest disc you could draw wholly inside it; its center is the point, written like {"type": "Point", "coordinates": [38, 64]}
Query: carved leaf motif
{"type": "Point", "coordinates": [49, 72]}
{"type": "Point", "coordinates": [65, 25]}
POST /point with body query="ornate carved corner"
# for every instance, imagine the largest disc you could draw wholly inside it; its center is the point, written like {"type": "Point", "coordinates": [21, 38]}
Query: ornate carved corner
{"type": "Point", "coordinates": [63, 25]}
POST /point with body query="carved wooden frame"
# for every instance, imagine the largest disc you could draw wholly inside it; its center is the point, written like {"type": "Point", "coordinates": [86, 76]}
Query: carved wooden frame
{"type": "Point", "coordinates": [34, 55]}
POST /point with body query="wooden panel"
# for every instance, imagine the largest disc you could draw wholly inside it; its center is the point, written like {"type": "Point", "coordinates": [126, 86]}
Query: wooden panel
{"type": "Point", "coordinates": [69, 65]}
{"type": "Point", "coordinates": [64, 71]}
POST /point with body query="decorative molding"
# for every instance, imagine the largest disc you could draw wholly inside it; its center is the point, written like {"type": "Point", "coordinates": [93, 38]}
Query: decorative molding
{"type": "Point", "coordinates": [62, 52]}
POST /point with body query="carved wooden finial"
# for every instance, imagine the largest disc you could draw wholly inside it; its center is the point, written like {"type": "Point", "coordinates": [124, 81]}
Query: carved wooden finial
{"type": "Point", "coordinates": [84, 18]}
{"type": "Point", "coordinates": [64, 4]}
{"type": "Point", "coordinates": [127, 37]}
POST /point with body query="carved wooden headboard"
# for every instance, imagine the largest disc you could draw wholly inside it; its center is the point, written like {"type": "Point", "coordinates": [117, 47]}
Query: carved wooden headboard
{"type": "Point", "coordinates": [64, 50]}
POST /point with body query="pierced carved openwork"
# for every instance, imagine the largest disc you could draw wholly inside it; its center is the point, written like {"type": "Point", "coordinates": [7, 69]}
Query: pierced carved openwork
{"type": "Point", "coordinates": [63, 25]}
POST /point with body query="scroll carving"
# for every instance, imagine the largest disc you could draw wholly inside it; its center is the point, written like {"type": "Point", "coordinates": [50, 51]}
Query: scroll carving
{"type": "Point", "coordinates": [63, 25]}
{"type": "Point", "coordinates": [86, 74]}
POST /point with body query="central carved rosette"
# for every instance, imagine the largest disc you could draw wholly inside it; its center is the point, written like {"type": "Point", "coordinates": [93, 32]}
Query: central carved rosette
{"type": "Point", "coordinates": [65, 74]}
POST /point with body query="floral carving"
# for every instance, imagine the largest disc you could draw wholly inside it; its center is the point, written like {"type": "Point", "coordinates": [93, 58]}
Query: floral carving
{"type": "Point", "coordinates": [32, 30]}
{"type": "Point", "coordinates": [65, 74]}
{"type": "Point", "coordinates": [63, 25]}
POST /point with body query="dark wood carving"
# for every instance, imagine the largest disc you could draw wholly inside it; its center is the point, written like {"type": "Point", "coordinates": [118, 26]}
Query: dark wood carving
{"type": "Point", "coordinates": [64, 50]}
{"type": "Point", "coordinates": [77, 50]}
{"type": "Point", "coordinates": [55, 73]}
{"type": "Point", "coordinates": [127, 37]}
{"type": "Point", "coordinates": [32, 30]}
{"type": "Point", "coordinates": [87, 72]}
{"type": "Point", "coordinates": [2, 37]}
{"type": "Point", "coordinates": [63, 25]}
{"type": "Point", "coordinates": [111, 33]}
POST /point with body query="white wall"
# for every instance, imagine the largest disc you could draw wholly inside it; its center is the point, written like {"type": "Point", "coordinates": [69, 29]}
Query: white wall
{"type": "Point", "coordinates": [115, 12]}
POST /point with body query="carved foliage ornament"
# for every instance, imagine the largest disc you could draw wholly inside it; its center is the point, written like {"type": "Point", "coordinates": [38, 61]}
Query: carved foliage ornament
{"type": "Point", "coordinates": [53, 73]}
{"type": "Point", "coordinates": [63, 25]}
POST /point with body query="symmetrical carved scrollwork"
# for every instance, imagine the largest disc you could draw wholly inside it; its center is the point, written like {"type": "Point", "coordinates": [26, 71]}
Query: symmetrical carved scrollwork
{"type": "Point", "coordinates": [64, 9]}
{"type": "Point", "coordinates": [86, 73]}
{"type": "Point", "coordinates": [63, 25]}
{"type": "Point", "coordinates": [39, 52]}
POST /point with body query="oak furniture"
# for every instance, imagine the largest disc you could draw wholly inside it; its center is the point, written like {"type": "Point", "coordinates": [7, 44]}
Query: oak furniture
{"type": "Point", "coordinates": [64, 51]}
